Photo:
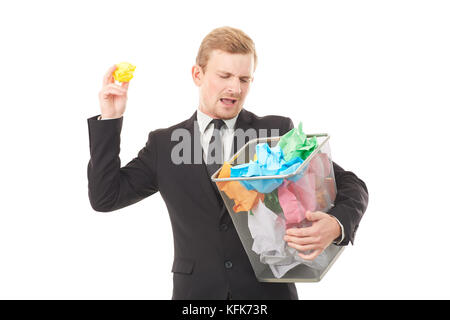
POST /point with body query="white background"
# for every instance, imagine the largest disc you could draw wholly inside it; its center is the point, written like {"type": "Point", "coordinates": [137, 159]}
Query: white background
{"type": "Point", "coordinates": [375, 75]}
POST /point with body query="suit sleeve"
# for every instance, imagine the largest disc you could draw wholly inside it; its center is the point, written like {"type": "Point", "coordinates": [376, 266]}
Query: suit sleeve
{"type": "Point", "coordinates": [111, 187]}
{"type": "Point", "coordinates": [351, 200]}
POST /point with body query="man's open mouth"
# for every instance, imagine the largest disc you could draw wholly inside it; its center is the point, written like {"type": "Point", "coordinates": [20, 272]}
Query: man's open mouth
{"type": "Point", "coordinates": [228, 102]}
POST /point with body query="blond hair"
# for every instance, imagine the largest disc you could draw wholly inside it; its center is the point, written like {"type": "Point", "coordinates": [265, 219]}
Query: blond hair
{"type": "Point", "coordinates": [227, 39]}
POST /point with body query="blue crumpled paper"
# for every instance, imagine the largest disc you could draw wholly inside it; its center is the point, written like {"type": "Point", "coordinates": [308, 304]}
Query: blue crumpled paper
{"type": "Point", "coordinates": [269, 162]}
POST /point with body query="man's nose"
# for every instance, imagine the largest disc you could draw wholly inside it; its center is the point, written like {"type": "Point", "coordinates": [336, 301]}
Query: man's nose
{"type": "Point", "coordinates": [234, 86]}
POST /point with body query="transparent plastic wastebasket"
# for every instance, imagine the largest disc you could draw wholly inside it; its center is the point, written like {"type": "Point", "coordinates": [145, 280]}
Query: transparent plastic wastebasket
{"type": "Point", "coordinates": [314, 187]}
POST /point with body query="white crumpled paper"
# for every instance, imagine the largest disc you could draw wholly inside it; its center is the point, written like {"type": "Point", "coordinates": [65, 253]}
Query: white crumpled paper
{"type": "Point", "coordinates": [268, 230]}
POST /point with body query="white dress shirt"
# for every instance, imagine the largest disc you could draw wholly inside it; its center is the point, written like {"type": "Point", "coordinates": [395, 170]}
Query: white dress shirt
{"type": "Point", "coordinates": [206, 131]}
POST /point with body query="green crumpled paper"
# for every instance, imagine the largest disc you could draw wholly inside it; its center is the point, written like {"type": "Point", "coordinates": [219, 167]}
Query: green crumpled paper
{"type": "Point", "coordinates": [295, 144]}
{"type": "Point", "coordinates": [271, 201]}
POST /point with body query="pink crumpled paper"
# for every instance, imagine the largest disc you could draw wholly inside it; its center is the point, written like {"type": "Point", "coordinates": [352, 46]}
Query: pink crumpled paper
{"type": "Point", "coordinates": [313, 191]}
{"type": "Point", "coordinates": [296, 198]}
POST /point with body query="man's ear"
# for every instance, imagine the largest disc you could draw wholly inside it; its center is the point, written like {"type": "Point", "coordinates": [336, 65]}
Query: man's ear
{"type": "Point", "coordinates": [197, 75]}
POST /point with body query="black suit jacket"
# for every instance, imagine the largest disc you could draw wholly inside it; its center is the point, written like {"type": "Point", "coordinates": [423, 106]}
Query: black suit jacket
{"type": "Point", "coordinates": [210, 261]}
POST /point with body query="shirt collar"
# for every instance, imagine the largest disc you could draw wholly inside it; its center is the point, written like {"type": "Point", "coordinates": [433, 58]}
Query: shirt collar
{"type": "Point", "coordinates": [204, 120]}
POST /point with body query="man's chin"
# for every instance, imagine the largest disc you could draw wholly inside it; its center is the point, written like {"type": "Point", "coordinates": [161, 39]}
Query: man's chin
{"type": "Point", "coordinates": [228, 113]}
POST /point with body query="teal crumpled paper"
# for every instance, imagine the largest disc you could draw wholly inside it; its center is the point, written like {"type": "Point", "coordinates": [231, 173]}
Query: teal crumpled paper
{"type": "Point", "coordinates": [295, 144]}
{"type": "Point", "coordinates": [269, 162]}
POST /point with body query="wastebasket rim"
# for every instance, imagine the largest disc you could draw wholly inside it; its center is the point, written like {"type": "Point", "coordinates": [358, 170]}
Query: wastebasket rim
{"type": "Point", "coordinates": [284, 176]}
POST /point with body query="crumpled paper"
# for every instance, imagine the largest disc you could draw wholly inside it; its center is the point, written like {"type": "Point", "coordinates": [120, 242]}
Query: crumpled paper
{"type": "Point", "coordinates": [315, 191]}
{"type": "Point", "coordinates": [124, 72]}
{"type": "Point", "coordinates": [270, 161]}
{"type": "Point", "coordinates": [321, 167]}
{"type": "Point", "coordinates": [244, 200]}
{"type": "Point", "coordinates": [295, 144]}
{"type": "Point", "coordinates": [326, 195]}
{"type": "Point", "coordinates": [296, 198]}
{"type": "Point", "coordinates": [268, 230]}
{"type": "Point", "coordinates": [271, 201]}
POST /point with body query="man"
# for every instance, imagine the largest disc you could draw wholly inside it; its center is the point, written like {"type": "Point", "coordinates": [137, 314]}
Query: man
{"type": "Point", "coordinates": [210, 261]}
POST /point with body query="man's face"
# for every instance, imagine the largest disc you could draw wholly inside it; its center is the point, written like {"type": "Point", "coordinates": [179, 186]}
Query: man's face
{"type": "Point", "coordinates": [225, 84]}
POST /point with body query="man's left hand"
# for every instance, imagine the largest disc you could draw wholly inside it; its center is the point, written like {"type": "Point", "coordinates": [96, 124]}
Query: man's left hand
{"type": "Point", "coordinates": [324, 230]}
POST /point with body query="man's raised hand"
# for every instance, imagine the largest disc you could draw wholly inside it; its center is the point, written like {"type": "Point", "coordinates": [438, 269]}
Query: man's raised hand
{"type": "Point", "coordinates": [112, 97]}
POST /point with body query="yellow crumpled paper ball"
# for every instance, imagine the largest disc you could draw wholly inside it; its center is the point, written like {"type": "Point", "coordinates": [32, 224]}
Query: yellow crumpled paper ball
{"type": "Point", "coordinates": [124, 72]}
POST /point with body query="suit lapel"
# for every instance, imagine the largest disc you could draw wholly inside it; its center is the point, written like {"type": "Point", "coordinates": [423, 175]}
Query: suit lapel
{"type": "Point", "coordinates": [206, 185]}
{"type": "Point", "coordinates": [200, 172]}
{"type": "Point", "coordinates": [243, 122]}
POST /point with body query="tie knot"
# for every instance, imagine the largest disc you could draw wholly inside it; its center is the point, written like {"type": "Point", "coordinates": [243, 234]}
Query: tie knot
{"type": "Point", "coordinates": [218, 123]}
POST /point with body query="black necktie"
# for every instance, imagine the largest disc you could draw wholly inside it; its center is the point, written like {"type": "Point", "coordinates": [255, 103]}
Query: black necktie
{"type": "Point", "coordinates": [214, 158]}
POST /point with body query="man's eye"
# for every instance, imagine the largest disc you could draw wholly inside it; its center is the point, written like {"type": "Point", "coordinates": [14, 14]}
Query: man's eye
{"type": "Point", "coordinates": [242, 80]}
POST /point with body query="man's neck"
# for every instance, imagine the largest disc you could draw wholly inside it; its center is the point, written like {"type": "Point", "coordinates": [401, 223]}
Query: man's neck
{"type": "Point", "coordinates": [229, 122]}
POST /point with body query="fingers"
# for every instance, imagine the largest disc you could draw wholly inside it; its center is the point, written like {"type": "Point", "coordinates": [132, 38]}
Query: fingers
{"type": "Point", "coordinates": [113, 89]}
{"type": "Point", "coordinates": [108, 78]}
{"type": "Point", "coordinates": [317, 249]}
{"type": "Point", "coordinates": [315, 215]}
{"type": "Point", "coordinates": [306, 247]}
{"type": "Point", "coordinates": [315, 237]}
{"type": "Point", "coordinates": [305, 239]}
{"type": "Point", "coordinates": [310, 256]}
{"type": "Point", "coordinates": [308, 231]}
{"type": "Point", "coordinates": [301, 241]}
{"type": "Point", "coordinates": [118, 87]}
{"type": "Point", "coordinates": [125, 85]}
{"type": "Point", "coordinates": [302, 232]}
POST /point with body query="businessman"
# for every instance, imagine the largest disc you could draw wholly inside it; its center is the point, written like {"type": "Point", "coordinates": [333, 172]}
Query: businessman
{"type": "Point", "coordinates": [210, 261]}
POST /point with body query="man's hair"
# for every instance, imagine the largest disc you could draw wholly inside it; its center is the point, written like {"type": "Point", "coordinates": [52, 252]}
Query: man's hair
{"type": "Point", "coordinates": [227, 39]}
